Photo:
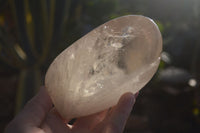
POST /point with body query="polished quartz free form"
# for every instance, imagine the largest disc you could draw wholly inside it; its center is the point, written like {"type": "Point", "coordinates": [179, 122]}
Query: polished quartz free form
{"type": "Point", "coordinates": [117, 57]}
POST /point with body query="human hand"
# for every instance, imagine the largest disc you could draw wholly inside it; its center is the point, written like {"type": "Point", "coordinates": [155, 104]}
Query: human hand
{"type": "Point", "coordinates": [39, 116]}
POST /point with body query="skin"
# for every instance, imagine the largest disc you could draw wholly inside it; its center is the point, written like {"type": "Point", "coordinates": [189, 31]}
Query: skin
{"type": "Point", "coordinates": [39, 116]}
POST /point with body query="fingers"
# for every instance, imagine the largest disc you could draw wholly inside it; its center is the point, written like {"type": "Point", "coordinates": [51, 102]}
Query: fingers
{"type": "Point", "coordinates": [120, 113]}
{"type": "Point", "coordinates": [55, 112]}
{"type": "Point", "coordinates": [36, 109]}
{"type": "Point", "coordinates": [112, 121]}
{"type": "Point", "coordinates": [54, 124]}
{"type": "Point", "coordinates": [88, 122]}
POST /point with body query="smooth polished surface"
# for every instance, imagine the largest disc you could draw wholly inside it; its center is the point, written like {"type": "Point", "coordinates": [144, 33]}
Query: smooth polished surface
{"type": "Point", "coordinates": [119, 56]}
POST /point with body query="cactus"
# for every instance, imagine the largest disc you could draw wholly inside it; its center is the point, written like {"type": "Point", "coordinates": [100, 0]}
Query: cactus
{"type": "Point", "coordinates": [38, 25]}
{"type": "Point", "coordinates": [30, 31]}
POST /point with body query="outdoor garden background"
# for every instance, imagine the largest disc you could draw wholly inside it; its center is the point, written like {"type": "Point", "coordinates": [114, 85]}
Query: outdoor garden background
{"type": "Point", "coordinates": [34, 32]}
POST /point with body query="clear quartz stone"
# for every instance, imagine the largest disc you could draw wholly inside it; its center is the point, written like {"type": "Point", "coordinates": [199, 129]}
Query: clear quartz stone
{"type": "Point", "coordinates": [119, 56]}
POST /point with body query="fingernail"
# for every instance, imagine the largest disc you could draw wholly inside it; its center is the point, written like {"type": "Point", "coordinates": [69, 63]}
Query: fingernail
{"type": "Point", "coordinates": [132, 99]}
{"type": "Point", "coordinates": [128, 99]}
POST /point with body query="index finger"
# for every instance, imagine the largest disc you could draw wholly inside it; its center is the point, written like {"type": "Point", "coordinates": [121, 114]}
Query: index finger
{"type": "Point", "coordinates": [36, 109]}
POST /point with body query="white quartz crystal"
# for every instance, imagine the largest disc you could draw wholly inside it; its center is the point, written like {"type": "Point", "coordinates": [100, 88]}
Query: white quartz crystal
{"type": "Point", "coordinates": [119, 56]}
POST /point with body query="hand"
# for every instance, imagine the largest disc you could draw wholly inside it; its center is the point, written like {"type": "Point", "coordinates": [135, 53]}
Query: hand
{"type": "Point", "coordinates": [38, 116]}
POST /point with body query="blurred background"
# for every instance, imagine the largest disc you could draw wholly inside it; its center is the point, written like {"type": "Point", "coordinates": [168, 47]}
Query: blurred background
{"type": "Point", "coordinates": [34, 32]}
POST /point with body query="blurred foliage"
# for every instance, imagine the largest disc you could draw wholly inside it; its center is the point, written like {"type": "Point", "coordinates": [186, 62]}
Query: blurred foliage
{"type": "Point", "coordinates": [34, 32]}
{"type": "Point", "coordinates": [28, 29]}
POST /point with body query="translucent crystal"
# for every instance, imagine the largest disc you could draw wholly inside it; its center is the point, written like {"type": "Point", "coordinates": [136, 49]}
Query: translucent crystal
{"type": "Point", "coordinates": [119, 56]}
